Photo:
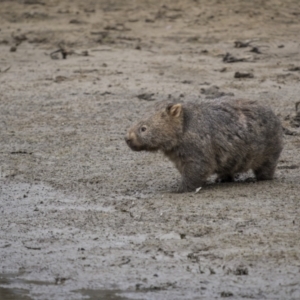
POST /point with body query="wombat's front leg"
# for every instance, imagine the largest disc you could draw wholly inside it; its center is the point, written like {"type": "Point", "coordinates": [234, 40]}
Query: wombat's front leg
{"type": "Point", "coordinates": [225, 178]}
{"type": "Point", "coordinates": [193, 177]}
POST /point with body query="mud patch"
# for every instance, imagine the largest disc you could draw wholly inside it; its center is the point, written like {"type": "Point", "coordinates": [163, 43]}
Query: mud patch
{"type": "Point", "coordinates": [9, 290]}
{"type": "Point", "coordinates": [80, 211]}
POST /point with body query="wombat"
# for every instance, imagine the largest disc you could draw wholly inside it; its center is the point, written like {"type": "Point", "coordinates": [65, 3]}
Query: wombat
{"type": "Point", "coordinates": [222, 137]}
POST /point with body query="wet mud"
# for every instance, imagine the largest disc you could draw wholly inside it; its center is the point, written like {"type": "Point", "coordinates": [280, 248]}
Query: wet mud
{"type": "Point", "coordinates": [80, 213]}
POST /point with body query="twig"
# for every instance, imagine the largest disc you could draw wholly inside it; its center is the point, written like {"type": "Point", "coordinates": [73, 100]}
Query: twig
{"type": "Point", "coordinates": [5, 70]}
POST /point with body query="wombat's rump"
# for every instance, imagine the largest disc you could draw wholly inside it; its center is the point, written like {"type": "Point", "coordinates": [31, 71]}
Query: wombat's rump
{"type": "Point", "coordinates": [223, 137]}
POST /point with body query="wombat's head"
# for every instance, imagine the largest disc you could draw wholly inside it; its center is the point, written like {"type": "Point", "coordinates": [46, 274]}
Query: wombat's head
{"type": "Point", "coordinates": [161, 131]}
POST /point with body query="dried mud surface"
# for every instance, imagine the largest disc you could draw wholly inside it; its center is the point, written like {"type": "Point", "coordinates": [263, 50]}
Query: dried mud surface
{"type": "Point", "coordinates": [80, 211]}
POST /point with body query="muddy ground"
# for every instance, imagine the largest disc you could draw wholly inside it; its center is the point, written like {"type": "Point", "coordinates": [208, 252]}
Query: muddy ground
{"type": "Point", "coordinates": [80, 211]}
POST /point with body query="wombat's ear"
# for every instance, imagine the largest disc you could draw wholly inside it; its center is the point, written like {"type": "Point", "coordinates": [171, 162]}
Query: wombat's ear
{"type": "Point", "coordinates": [174, 110]}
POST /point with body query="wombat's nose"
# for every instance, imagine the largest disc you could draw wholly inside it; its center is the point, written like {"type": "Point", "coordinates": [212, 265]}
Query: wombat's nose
{"type": "Point", "coordinates": [127, 139]}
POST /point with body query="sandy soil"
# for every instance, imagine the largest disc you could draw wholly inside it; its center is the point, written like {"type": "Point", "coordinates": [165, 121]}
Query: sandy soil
{"type": "Point", "coordinates": [79, 210]}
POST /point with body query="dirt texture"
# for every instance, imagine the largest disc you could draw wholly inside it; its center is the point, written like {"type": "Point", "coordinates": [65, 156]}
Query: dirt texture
{"type": "Point", "coordinates": [80, 211]}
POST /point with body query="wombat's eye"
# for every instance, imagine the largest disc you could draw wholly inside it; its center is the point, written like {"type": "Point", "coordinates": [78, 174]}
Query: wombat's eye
{"type": "Point", "coordinates": [143, 128]}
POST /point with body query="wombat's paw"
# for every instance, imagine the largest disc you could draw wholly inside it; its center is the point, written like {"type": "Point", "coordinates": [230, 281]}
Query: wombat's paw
{"type": "Point", "coordinates": [180, 189]}
{"type": "Point", "coordinates": [224, 178]}
{"type": "Point", "coordinates": [266, 171]}
{"type": "Point", "coordinates": [263, 176]}
{"type": "Point", "coordinates": [250, 180]}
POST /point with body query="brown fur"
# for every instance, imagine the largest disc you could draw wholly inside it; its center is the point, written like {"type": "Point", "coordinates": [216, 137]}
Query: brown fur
{"type": "Point", "coordinates": [223, 137]}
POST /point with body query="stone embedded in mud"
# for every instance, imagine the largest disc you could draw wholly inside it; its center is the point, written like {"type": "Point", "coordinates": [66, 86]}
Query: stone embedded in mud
{"type": "Point", "coordinates": [214, 92]}
{"type": "Point", "coordinates": [241, 270]}
{"type": "Point", "coordinates": [170, 236]}
{"type": "Point", "coordinates": [226, 294]}
{"type": "Point", "coordinates": [243, 75]}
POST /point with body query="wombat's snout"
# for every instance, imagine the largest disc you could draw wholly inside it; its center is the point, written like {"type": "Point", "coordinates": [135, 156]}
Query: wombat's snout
{"type": "Point", "coordinates": [128, 140]}
{"type": "Point", "coordinates": [131, 141]}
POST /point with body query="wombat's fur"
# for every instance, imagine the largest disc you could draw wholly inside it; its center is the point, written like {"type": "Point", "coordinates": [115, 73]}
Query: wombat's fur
{"type": "Point", "coordinates": [223, 137]}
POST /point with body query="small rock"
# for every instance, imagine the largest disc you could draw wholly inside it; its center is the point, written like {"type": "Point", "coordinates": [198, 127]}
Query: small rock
{"type": "Point", "coordinates": [13, 49]}
{"type": "Point", "coordinates": [214, 92]}
{"type": "Point", "coordinates": [170, 236]}
{"type": "Point", "coordinates": [60, 78]}
{"type": "Point", "coordinates": [293, 69]}
{"type": "Point", "coordinates": [229, 58]}
{"type": "Point", "coordinates": [243, 75]}
{"type": "Point", "coordinates": [240, 44]}
{"type": "Point", "coordinates": [226, 294]}
{"type": "Point", "coordinates": [255, 50]}
{"type": "Point", "coordinates": [146, 96]}
{"type": "Point", "coordinates": [147, 20]}
{"type": "Point", "coordinates": [241, 270]}
{"type": "Point", "coordinates": [75, 21]}
{"type": "Point", "coordinates": [223, 70]}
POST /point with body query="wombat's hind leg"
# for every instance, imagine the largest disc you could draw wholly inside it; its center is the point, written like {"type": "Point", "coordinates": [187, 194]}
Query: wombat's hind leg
{"type": "Point", "coordinates": [265, 171]}
{"type": "Point", "coordinates": [225, 178]}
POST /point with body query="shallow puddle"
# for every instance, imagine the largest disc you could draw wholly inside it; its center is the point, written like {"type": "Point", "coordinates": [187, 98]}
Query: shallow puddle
{"type": "Point", "coordinates": [13, 294]}
{"type": "Point", "coordinates": [8, 292]}
{"type": "Point", "coordinates": [102, 294]}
